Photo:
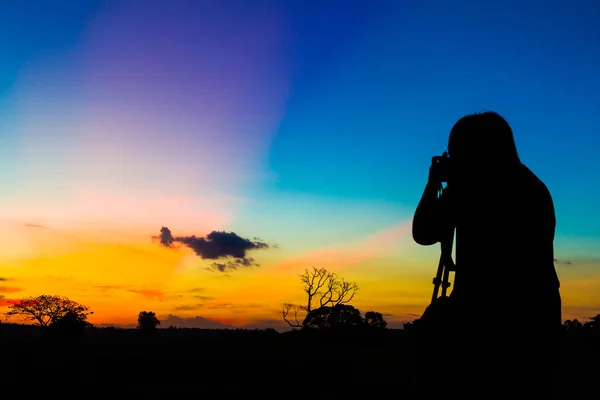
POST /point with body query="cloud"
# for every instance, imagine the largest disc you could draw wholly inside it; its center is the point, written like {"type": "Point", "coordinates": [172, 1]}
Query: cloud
{"type": "Point", "coordinates": [34, 226]}
{"type": "Point", "coordinates": [206, 323]}
{"type": "Point", "coordinates": [4, 301]}
{"type": "Point", "coordinates": [233, 264]}
{"type": "Point", "coordinates": [3, 279]}
{"type": "Point", "coordinates": [231, 305]}
{"type": "Point", "coordinates": [166, 238]}
{"type": "Point", "coordinates": [193, 322]}
{"type": "Point", "coordinates": [203, 297]}
{"type": "Point", "coordinates": [198, 322]}
{"type": "Point", "coordinates": [564, 262]}
{"type": "Point", "coordinates": [217, 245]}
{"type": "Point", "coordinates": [152, 294]}
{"type": "Point", "coordinates": [189, 307]}
{"type": "Point", "coordinates": [7, 289]}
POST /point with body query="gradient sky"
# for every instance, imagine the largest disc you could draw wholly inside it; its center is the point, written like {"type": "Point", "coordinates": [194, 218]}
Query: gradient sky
{"type": "Point", "coordinates": [307, 124]}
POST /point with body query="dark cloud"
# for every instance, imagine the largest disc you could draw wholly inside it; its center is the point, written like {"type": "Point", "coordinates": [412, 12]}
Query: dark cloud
{"type": "Point", "coordinates": [189, 307]}
{"type": "Point", "coordinates": [178, 322]}
{"type": "Point", "coordinates": [231, 265]}
{"type": "Point", "coordinates": [227, 247]}
{"type": "Point", "coordinates": [221, 244]}
{"type": "Point", "coordinates": [203, 297]}
{"type": "Point", "coordinates": [166, 238]}
{"type": "Point", "coordinates": [206, 323]}
{"type": "Point", "coordinates": [34, 225]}
{"type": "Point", "coordinates": [198, 322]}
{"type": "Point", "coordinates": [2, 279]}
{"type": "Point", "coordinates": [194, 322]}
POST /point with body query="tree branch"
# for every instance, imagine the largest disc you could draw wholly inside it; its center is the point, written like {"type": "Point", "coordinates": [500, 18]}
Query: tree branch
{"type": "Point", "coordinates": [285, 311]}
{"type": "Point", "coordinates": [323, 285]}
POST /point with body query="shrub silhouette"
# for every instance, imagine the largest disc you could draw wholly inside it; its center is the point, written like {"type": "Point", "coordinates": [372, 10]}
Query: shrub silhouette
{"type": "Point", "coordinates": [147, 321]}
{"type": "Point", "coordinates": [374, 319]}
{"type": "Point", "coordinates": [340, 316]}
{"type": "Point", "coordinates": [71, 325]}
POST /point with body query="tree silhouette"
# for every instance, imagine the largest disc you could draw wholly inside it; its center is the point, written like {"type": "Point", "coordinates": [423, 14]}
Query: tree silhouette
{"type": "Point", "coordinates": [45, 309]}
{"type": "Point", "coordinates": [71, 325]}
{"type": "Point", "coordinates": [572, 326]}
{"type": "Point", "coordinates": [594, 323]}
{"type": "Point", "coordinates": [574, 329]}
{"type": "Point", "coordinates": [374, 319]}
{"type": "Point", "coordinates": [147, 321]}
{"type": "Point", "coordinates": [323, 289]}
{"type": "Point", "coordinates": [339, 316]}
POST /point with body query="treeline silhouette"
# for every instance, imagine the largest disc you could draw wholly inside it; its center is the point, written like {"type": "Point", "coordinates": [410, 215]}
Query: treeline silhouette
{"type": "Point", "coordinates": [336, 353]}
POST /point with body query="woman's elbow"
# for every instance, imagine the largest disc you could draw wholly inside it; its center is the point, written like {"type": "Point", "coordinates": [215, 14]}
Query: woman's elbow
{"type": "Point", "coordinates": [424, 237]}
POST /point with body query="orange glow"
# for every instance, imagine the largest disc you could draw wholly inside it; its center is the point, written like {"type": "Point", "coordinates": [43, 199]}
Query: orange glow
{"type": "Point", "coordinates": [120, 274]}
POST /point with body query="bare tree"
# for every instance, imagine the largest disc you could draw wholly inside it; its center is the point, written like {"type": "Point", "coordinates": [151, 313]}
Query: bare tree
{"type": "Point", "coordinates": [323, 288]}
{"type": "Point", "coordinates": [286, 309]}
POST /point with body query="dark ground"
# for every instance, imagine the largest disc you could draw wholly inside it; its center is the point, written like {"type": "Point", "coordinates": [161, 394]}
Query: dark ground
{"type": "Point", "coordinates": [264, 364]}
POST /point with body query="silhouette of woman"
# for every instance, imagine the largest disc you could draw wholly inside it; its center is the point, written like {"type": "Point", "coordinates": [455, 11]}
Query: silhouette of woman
{"type": "Point", "coordinates": [506, 289]}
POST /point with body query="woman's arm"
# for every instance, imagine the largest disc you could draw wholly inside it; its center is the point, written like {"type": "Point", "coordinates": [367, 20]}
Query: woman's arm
{"type": "Point", "coordinates": [426, 226]}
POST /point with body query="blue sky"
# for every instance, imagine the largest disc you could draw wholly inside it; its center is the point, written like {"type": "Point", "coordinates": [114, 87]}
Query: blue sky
{"type": "Point", "coordinates": [385, 103]}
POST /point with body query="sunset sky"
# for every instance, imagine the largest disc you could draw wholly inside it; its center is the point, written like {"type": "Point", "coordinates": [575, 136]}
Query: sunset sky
{"type": "Point", "coordinates": [307, 126]}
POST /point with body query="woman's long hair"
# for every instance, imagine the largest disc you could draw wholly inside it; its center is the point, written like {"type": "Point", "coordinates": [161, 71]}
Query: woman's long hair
{"type": "Point", "coordinates": [483, 137]}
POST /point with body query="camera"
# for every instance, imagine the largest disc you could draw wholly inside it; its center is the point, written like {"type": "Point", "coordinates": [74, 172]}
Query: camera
{"type": "Point", "coordinates": [441, 166]}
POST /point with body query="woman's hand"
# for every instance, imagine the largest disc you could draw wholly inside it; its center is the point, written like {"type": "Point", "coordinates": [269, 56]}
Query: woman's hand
{"type": "Point", "coordinates": [438, 171]}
